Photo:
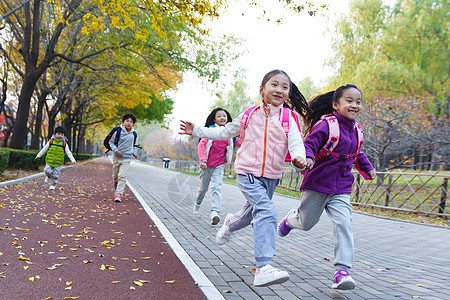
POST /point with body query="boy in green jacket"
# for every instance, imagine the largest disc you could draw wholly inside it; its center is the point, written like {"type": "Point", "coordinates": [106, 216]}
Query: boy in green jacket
{"type": "Point", "coordinates": [56, 149]}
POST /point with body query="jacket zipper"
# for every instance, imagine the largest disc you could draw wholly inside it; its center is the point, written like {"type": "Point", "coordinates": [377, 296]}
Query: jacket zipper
{"type": "Point", "coordinates": [265, 140]}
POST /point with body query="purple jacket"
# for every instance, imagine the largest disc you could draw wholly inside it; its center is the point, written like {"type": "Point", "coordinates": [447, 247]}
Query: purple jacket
{"type": "Point", "coordinates": [331, 175]}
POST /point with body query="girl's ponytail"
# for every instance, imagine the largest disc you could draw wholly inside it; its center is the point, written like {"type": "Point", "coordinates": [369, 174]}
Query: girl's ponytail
{"type": "Point", "coordinates": [297, 102]}
{"type": "Point", "coordinates": [319, 106]}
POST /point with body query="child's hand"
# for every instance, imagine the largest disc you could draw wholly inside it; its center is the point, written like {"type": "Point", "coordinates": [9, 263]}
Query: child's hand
{"type": "Point", "coordinates": [119, 154]}
{"type": "Point", "coordinates": [186, 127]}
{"type": "Point", "coordinates": [37, 157]}
{"type": "Point", "coordinates": [309, 163]}
{"type": "Point", "coordinates": [299, 162]}
{"type": "Point", "coordinates": [203, 165]}
{"type": "Point", "coordinates": [135, 155]}
{"type": "Point", "coordinates": [372, 174]}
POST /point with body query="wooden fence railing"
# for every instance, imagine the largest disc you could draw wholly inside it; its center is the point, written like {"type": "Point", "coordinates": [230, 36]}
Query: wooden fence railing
{"type": "Point", "coordinates": [421, 192]}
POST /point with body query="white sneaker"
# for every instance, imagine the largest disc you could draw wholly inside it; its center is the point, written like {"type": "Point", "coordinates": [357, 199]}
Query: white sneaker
{"type": "Point", "coordinates": [268, 275]}
{"type": "Point", "coordinates": [215, 219]}
{"type": "Point", "coordinates": [197, 208]}
{"type": "Point", "coordinates": [118, 197]}
{"type": "Point", "coordinates": [46, 179]}
{"type": "Point", "coordinates": [52, 187]}
{"type": "Point", "coordinates": [224, 234]}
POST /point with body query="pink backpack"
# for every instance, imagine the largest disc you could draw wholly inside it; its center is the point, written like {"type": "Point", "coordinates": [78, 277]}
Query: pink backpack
{"type": "Point", "coordinates": [333, 140]}
{"type": "Point", "coordinates": [284, 124]}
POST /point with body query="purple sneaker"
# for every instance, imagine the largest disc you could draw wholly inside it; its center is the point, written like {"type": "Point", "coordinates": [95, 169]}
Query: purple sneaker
{"type": "Point", "coordinates": [343, 281]}
{"type": "Point", "coordinates": [283, 226]}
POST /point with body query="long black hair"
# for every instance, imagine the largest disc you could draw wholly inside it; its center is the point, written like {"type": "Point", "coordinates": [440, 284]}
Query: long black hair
{"type": "Point", "coordinates": [323, 105]}
{"type": "Point", "coordinates": [210, 119]}
{"type": "Point", "coordinates": [296, 101]}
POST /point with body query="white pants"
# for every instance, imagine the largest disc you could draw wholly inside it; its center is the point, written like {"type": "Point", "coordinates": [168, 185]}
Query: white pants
{"type": "Point", "coordinates": [52, 173]}
{"type": "Point", "coordinates": [214, 175]}
{"type": "Point", "coordinates": [120, 170]}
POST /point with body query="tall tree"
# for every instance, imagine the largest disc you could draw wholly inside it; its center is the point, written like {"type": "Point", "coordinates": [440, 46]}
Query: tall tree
{"type": "Point", "coordinates": [40, 21]}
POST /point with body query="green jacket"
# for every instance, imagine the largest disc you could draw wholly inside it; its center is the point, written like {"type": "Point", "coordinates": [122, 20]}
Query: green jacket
{"type": "Point", "coordinates": [55, 154]}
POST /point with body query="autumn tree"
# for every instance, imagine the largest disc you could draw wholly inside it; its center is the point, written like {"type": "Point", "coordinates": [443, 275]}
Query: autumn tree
{"type": "Point", "coordinates": [38, 26]}
{"type": "Point", "coordinates": [396, 54]}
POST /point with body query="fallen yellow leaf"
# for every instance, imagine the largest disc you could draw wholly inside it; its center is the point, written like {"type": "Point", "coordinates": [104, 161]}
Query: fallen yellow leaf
{"type": "Point", "coordinates": [116, 281]}
{"type": "Point", "coordinates": [138, 283]}
{"type": "Point", "coordinates": [23, 258]}
{"type": "Point", "coordinates": [26, 267]}
{"type": "Point", "coordinates": [422, 285]}
{"type": "Point", "coordinates": [71, 298]}
{"type": "Point", "coordinates": [68, 282]}
{"type": "Point", "coordinates": [170, 281]}
{"type": "Point", "coordinates": [31, 278]}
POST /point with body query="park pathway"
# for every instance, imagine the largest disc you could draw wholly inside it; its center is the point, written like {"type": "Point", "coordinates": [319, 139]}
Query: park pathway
{"type": "Point", "coordinates": [393, 259]}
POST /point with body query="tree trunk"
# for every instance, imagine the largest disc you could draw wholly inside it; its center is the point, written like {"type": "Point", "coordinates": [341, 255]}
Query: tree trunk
{"type": "Point", "coordinates": [38, 124]}
{"type": "Point", "coordinates": [23, 110]}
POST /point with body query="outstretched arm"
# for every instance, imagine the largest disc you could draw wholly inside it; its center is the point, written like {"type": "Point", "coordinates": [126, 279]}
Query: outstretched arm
{"type": "Point", "coordinates": [186, 127]}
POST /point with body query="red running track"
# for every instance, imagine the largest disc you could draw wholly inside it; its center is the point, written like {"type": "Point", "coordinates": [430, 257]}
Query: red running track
{"type": "Point", "coordinates": [76, 243]}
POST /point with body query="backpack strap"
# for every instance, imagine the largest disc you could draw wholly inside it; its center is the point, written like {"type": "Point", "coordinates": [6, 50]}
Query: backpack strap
{"type": "Point", "coordinates": [244, 121]}
{"type": "Point", "coordinates": [333, 139]}
{"type": "Point", "coordinates": [360, 134]}
{"type": "Point", "coordinates": [116, 140]}
{"type": "Point", "coordinates": [333, 135]}
{"type": "Point", "coordinates": [51, 143]}
{"type": "Point", "coordinates": [285, 120]}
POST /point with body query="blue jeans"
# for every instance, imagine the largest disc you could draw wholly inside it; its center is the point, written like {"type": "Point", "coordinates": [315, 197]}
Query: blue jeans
{"type": "Point", "coordinates": [214, 175]}
{"type": "Point", "coordinates": [259, 211]}
{"type": "Point", "coordinates": [339, 210]}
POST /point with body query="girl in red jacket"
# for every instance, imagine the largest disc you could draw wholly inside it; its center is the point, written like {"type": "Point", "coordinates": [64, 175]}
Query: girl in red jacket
{"type": "Point", "coordinates": [213, 155]}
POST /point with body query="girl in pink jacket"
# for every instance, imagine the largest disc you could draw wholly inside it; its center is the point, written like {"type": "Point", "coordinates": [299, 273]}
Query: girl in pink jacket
{"type": "Point", "coordinates": [213, 155]}
{"type": "Point", "coordinates": [259, 165]}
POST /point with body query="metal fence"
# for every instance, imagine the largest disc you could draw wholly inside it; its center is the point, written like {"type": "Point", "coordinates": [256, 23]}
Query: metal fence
{"type": "Point", "coordinates": [421, 192]}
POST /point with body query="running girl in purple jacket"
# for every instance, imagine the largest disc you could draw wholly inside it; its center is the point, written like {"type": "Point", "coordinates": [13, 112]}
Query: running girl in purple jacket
{"type": "Point", "coordinates": [328, 180]}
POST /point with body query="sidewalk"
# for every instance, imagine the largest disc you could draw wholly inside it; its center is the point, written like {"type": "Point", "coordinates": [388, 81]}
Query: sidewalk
{"type": "Point", "coordinates": [393, 259]}
{"type": "Point", "coordinates": [76, 243]}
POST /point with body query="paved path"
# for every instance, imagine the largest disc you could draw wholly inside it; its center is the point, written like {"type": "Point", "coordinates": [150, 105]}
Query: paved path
{"type": "Point", "coordinates": [76, 243]}
{"type": "Point", "coordinates": [393, 259]}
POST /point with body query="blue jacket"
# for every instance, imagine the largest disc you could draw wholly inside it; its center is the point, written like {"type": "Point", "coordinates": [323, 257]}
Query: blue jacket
{"type": "Point", "coordinates": [331, 175]}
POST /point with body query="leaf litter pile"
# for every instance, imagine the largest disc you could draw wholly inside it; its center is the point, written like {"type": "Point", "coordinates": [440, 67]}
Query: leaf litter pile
{"type": "Point", "coordinates": [76, 243]}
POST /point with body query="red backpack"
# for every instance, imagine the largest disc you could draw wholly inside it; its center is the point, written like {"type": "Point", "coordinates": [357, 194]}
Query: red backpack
{"type": "Point", "coordinates": [284, 124]}
{"type": "Point", "coordinates": [333, 140]}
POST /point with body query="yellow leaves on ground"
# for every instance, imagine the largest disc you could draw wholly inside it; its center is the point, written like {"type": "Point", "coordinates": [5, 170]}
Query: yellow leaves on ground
{"type": "Point", "coordinates": [54, 267]}
{"type": "Point", "coordinates": [107, 267]}
{"type": "Point", "coordinates": [170, 281]}
{"type": "Point", "coordinates": [34, 278]}
{"type": "Point", "coordinates": [23, 258]}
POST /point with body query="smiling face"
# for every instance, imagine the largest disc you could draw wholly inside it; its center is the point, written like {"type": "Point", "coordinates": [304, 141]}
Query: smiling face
{"type": "Point", "coordinates": [349, 104]}
{"type": "Point", "coordinates": [59, 135]}
{"type": "Point", "coordinates": [276, 90]}
{"type": "Point", "coordinates": [221, 118]}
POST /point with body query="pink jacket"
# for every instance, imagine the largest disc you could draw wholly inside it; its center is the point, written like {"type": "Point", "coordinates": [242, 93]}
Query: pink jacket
{"type": "Point", "coordinates": [265, 144]}
{"type": "Point", "coordinates": [205, 145]}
